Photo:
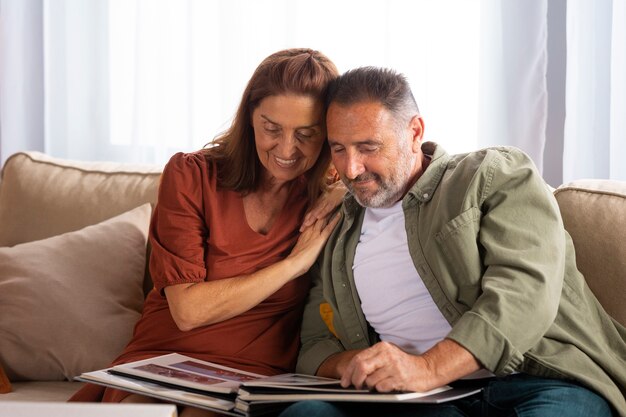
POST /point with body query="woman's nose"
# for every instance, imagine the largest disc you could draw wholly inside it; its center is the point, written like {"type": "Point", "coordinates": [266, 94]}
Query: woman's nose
{"type": "Point", "coordinates": [287, 145]}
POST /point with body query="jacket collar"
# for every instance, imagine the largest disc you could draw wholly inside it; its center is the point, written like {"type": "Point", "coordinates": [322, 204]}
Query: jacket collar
{"type": "Point", "coordinates": [426, 185]}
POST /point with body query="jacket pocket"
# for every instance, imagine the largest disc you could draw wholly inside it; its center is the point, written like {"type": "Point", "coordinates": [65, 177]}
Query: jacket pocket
{"type": "Point", "coordinates": [458, 240]}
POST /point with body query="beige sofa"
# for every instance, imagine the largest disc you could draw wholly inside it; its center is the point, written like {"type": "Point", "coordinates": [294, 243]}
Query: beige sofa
{"type": "Point", "coordinates": [72, 269]}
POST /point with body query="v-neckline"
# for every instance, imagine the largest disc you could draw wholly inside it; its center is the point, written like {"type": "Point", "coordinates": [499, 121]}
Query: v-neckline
{"type": "Point", "coordinates": [278, 219]}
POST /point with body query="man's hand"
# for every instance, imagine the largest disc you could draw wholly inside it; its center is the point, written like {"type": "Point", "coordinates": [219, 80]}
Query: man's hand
{"type": "Point", "coordinates": [385, 367]}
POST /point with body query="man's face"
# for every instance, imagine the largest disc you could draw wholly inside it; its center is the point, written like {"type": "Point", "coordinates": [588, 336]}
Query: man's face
{"type": "Point", "coordinates": [376, 156]}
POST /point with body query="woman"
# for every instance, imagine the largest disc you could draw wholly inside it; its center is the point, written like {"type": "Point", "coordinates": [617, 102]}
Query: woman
{"type": "Point", "coordinates": [228, 260]}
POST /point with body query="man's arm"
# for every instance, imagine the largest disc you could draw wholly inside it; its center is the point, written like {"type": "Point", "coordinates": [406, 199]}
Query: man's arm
{"type": "Point", "coordinates": [385, 367]}
{"type": "Point", "coordinates": [522, 240]}
{"type": "Point", "coordinates": [319, 342]}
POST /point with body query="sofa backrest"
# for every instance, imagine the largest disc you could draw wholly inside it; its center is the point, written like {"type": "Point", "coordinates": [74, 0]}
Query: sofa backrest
{"type": "Point", "coordinates": [594, 213]}
{"type": "Point", "coordinates": [42, 196]}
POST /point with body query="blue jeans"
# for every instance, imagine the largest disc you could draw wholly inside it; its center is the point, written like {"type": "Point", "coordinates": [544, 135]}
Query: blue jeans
{"type": "Point", "coordinates": [512, 396]}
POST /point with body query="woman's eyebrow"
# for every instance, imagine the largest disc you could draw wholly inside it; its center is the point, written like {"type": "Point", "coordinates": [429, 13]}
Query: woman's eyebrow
{"type": "Point", "coordinates": [299, 127]}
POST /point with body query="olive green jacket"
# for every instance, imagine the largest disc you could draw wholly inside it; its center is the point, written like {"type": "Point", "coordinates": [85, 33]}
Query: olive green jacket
{"type": "Point", "coordinates": [486, 236]}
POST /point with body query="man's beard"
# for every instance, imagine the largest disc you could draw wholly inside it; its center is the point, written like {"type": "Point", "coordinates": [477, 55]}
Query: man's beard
{"type": "Point", "coordinates": [390, 190]}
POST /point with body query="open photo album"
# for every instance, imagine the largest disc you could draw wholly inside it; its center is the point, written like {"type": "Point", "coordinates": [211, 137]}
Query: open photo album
{"type": "Point", "coordinates": [183, 380]}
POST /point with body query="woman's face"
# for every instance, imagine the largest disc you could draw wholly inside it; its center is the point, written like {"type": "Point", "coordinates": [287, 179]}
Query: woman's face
{"type": "Point", "coordinates": [288, 133]}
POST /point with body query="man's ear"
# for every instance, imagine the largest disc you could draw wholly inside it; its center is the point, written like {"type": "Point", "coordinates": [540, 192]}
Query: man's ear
{"type": "Point", "coordinates": [417, 131]}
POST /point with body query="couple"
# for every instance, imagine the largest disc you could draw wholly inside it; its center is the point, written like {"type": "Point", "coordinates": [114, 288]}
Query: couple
{"type": "Point", "coordinates": [437, 268]}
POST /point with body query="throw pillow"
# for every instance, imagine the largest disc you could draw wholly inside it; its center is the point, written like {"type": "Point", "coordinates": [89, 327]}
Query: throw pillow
{"type": "Point", "coordinates": [68, 303]}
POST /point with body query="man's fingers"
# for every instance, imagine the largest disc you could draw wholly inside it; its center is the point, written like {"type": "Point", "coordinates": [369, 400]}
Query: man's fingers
{"type": "Point", "coordinates": [380, 367]}
{"type": "Point", "coordinates": [381, 380]}
{"type": "Point", "coordinates": [361, 367]}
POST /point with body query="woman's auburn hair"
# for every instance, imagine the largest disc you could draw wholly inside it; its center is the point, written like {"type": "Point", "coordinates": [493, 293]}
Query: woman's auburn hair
{"type": "Point", "coordinates": [298, 71]}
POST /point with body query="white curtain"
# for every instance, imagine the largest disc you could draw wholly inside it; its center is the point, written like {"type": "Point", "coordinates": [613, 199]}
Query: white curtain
{"type": "Point", "coordinates": [513, 91]}
{"type": "Point", "coordinates": [595, 124]}
{"type": "Point", "coordinates": [76, 79]}
{"type": "Point", "coordinates": [21, 76]}
{"type": "Point", "coordinates": [137, 80]}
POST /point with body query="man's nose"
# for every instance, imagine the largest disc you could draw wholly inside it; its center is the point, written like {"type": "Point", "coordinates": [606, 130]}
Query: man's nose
{"type": "Point", "coordinates": [354, 166]}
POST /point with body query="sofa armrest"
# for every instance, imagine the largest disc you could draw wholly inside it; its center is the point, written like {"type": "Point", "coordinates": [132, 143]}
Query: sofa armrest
{"type": "Point", "coordinates": [594, 214]}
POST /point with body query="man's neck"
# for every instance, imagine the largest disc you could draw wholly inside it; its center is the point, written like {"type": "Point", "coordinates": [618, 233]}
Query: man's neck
{"type": "Point", "coordinates": [424, 163]}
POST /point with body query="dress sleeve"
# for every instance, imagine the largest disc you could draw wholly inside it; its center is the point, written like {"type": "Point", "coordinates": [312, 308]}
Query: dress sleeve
{"type": "Point", "coordinates": [178, 230]}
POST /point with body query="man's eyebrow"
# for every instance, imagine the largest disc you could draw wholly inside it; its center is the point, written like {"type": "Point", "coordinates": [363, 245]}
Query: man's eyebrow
{"type": "Point", "coordinates": [299, 127]}
{"type": "Point", "coordinates": [360, 142]}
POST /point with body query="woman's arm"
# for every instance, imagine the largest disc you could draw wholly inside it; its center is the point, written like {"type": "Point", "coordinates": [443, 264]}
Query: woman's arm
{"type": "Point", "coordinates": [233, 296]}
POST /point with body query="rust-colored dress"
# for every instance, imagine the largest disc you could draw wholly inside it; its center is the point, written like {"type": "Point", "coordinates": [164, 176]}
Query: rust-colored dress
{"type": "Point", "coordinates": [199, 232]}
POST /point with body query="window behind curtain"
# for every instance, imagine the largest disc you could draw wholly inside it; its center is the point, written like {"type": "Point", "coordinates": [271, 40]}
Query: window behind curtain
{"type": "Point", "coordinates": [137, 80]}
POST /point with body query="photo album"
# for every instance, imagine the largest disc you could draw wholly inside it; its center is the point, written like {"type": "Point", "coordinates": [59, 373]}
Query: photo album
{"type": "Point", "coordinates": [183, 380]}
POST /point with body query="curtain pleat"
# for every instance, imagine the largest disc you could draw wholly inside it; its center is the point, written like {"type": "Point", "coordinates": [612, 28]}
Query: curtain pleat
{"type": "Point", "coordinates": [595, 132]}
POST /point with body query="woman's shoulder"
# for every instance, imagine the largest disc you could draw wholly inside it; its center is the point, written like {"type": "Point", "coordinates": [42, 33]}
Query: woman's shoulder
{"type": "Point", "coordinates": [189, 172]}
{"type": "Point", "coordinates": [197, 158]}
{"type": "Point", "coordinates": [191, 164]}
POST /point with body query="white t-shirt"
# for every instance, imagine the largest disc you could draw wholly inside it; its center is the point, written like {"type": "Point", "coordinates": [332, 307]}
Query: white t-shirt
{"type": "Point", "coordinates": [394, 299]}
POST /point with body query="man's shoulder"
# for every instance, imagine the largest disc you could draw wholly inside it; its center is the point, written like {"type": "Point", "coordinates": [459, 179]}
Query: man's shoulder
{"type": "Point", "coordinates": [488, 159]}
{"type": "Point", "coordinates": [479, 172]}
{"type": "Point", "coordinates": [488, 153]}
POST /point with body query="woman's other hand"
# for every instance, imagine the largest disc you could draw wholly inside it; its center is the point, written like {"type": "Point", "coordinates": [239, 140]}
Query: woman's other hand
{"type": "Point", "coordinates": [311, 242]}
{"type": "Point", "coordinates": [325, 204]}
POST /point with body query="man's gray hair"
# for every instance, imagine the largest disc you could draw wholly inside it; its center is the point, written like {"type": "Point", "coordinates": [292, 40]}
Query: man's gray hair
{"type": "Point", "coordinates": [382, 85]}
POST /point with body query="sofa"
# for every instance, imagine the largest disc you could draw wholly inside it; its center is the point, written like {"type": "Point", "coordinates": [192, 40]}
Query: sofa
{"type": "Point", "coordinates": [73, 276]}
{"type": "Point", "coordinates": [73, 251]}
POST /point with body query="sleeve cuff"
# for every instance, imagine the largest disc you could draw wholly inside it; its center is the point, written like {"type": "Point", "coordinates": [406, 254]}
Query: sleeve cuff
{"type": "Point", "coordinates": [312, 357]}
{"type": "Point", "coordinates": [487, 344]}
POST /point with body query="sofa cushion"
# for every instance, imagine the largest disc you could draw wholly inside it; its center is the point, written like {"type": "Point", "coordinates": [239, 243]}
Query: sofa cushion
{"type": "Point", "coordinates": [42, 391]}
{"type": "Point", "coordinates": [594, 213]}
{"type": "Point", "coordinates": [68, 303]}
{"type": "Point", "coordinates": [42, 196]}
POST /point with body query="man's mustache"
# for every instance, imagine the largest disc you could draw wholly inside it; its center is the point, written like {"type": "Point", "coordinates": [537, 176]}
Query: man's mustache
{"type": "Point", "coordinates": [366, 176]}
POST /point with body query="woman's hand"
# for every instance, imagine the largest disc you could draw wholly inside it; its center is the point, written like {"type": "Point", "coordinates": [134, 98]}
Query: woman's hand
{"type": "Point", "coordinates": [325, 204]}
{"type": "Point", "coordinates": [311, 242]}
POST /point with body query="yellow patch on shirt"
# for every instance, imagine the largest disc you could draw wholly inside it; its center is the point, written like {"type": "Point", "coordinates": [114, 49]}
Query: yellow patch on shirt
{"type": "Point", "coordinates": [326, 312]}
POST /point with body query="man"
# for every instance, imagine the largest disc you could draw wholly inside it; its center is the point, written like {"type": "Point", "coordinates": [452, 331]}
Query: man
{"type": "Point", "coordinates": [446, 267]}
